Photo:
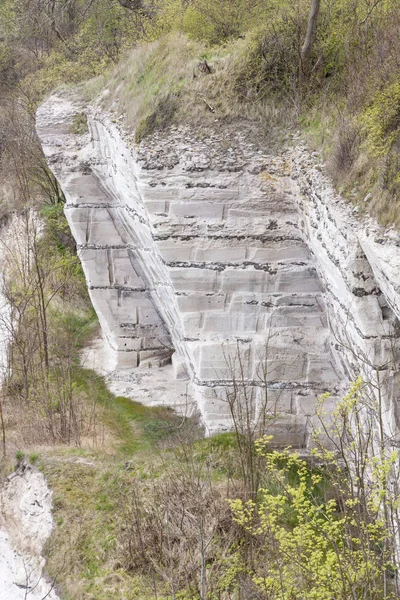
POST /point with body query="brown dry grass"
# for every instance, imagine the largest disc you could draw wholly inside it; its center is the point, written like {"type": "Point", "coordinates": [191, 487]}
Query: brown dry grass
{"type": "Point", "coordinates": [160, 84]}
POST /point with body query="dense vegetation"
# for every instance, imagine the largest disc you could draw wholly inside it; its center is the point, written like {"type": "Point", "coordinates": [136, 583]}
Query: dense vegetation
{"type": "Point", "coordinates": [140, 498]}
{"type": "Point", "coordinates": [347, 99]}
{"type": "Point", "coordinates": [168, 515]}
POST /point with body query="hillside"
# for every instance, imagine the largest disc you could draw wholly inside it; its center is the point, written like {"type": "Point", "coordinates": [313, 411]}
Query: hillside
{"type": "Point", "coordinates": [199, 208]}
{"type": "Point", "coordinates": [347, 102]}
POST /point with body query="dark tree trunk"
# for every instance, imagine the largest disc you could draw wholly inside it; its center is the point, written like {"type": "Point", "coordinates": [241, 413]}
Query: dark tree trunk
{"type": "Point", "coordinates": [310, 38]}
{"type": "Point", "coordinates": [137, 5]}
{"type": "Point", "coordinates": [131, 4]}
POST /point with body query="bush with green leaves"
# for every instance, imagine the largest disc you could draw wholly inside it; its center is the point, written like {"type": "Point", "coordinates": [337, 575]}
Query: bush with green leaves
{"type": "Point", "coordinates": [326, 531]}
{"type": "Point", "coordinates": [381, 120]}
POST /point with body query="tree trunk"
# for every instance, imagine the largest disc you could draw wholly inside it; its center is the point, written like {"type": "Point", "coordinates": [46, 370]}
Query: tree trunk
{"type": "Point", "coordinates": [138, 6]}
{"type": "Point", "coordinates": [310, 38]}
{"type": "Point", "coordinates": [131, 4]}
{"type": "Point", "coordinates": [3, 428]}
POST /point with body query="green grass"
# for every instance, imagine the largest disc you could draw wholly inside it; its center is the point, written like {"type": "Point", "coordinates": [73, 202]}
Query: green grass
{"type": "Point", "coordinates": [79, 125]}
{"type": "Point", "coordinates": [90, 488]}
{"type": "Point", "coordinates": [138, 428]}
{"type": "Point", "coordinates": [33, 458]}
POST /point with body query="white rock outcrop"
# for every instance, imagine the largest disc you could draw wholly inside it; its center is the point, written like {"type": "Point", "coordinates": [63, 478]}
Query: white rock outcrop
{"type": "Point", "coordinates": [25, 525]}
{"type": "Point", "coordinates": [202, 250]}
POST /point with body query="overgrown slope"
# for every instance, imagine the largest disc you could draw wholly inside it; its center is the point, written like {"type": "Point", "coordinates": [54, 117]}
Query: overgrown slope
{"type": "Point", "coordinates": [348, 102]}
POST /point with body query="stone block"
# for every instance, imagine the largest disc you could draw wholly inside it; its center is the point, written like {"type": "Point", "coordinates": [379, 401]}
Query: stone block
{"type": "Point", "coordinates": [126, 360]}
{"type": "Point", "coordinates": [192, 324]}
{"type": "Point", "coordinates": [156, 206]}
{"type": "Point", "coordinates": [85, 189]}
{"type": "Point", "coordinates": [277, 252]}
{"type": "Point", "coordinates": [202, 194]}
{"type": "Point", "coordinates": [301, 280]}
{"type": "Point", "coordinates": [230, 324]}
{"type": "Point", "coordinates": [175, 252]}
{"type": "Point", "coordinates": [214, 361]}
{"type": "Point", "coordinates": [104, 226]}
{"type": "Point", "coordinates": [160, 193]}
{"type": "Point", "coordinates": [147, 314]}
{"type": "Point", "coordinates": [201, 210]}
{"type": "Point", "coordinates": [321, 369]}
{"type": "Point", "coordinates": [296, 317]}
{"type": "Point", "coordinates": [127, 344]}
{"type": "Point", "coordinates": [285, 369]}
{"type": "Point", "coordinates": [277, 401]}
{"type": "Point", "coordinates": [201, 302]}
{"type": "Point", "coordinates": [224, 254]}
{"type": "Point", "coordinates": [247, 280]}
{"type": "Point", "coordinates": [288, 430]}
{"type": "Point", "coordinates": [154, 358]}
{"type": "Point", "coordinates": [179, 367]}
{"type": "Point", "coordinates": [96, 266]}
{"type": "Point", "coordinates": [193, 280]}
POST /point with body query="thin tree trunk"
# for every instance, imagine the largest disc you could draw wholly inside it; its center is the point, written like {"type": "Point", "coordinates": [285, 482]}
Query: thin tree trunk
{"type": "Point", "coordinates": [137, 5]}
{"type": "Point", "coordinates": [310, 38]}
{"type": "Point", "coordinates": [3, 428]}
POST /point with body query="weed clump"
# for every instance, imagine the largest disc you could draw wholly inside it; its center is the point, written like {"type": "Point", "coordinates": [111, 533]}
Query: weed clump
{"type": "Point", "coordinates": [161, 117]}
{"type": "Point", "coordinates": [79, 125]}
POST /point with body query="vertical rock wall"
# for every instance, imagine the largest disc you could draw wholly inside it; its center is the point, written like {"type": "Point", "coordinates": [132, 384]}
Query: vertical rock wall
{"type": "Point", "coordinates": [203, 249]}
{"type": "Point", "coordinates": [359, 265]}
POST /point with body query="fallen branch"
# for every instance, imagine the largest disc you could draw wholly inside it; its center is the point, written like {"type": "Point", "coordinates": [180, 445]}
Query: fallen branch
{"type": "Point", "coordinates": [210, 108]}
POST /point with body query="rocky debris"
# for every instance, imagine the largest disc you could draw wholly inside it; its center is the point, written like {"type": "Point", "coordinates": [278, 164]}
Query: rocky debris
{"type": "Point", "coordinates": [201, 244]}
{"type": "Point", "coordinates": [197, 151]}
{"type": "Point", "coordinates": [25, 525]}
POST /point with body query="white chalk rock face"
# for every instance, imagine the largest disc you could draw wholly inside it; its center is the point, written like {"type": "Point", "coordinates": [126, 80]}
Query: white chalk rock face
{"type": "Point", "coordinates": [234, 264]}
{"type": "Point", "coordinates": [25, 525]}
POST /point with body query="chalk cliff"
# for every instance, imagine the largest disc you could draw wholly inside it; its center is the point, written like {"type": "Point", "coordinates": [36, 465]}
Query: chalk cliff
{"type": "Point", "coordinates": [203, 251]}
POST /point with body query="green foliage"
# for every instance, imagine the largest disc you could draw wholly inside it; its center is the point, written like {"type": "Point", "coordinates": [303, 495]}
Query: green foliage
{"type": "Point", "coordinates": [154, 78]}
{"type": "Point", "coordinates": [79, 124]}
{"type": "Point", "coordinates": [107, 31]}
{"type": "Point", "coordinates": [33, 458]}
{"type": "Point", "coordinates": [216, 22]}
{"type": "Point", "coordinates": [55, 70]}
{"type": "Point", "coordinates": [19, 455]}
{"type": "Point", "coordinates": [318, 557]}
{"type": "Point", "coordinates": [381, 120]}
{"type": "Point", "coordinates": [268, 62]}
{"type": "Point", "coordinates": [255, 47]}
{"type": "Point", "coordinates": [324, 533]}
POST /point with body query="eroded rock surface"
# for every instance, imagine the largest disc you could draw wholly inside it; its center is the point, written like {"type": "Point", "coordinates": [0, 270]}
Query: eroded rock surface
{"type": "Point", "coordinates": [204, 250]}
{"type": "Point", "coordinates": [25, 525]}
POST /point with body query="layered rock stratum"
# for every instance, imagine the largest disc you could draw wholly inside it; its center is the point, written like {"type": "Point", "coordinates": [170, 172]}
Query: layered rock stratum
{"type": "Point", "coordinates": [218, 270]}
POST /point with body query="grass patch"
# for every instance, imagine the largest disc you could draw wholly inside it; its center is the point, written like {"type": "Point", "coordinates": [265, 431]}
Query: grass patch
{"type": "Point", "coordinates": [79, 125]}
{"type": "Point", "coordinates": [136, 427]}
{"type": "Point", "coordinates": [161, 84]}
{"type": "Point", "coordinates": [91, 485]}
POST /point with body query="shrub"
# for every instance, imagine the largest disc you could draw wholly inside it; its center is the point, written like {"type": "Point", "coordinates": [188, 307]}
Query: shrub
{"type": "Point", "coordinates": [345, 147]}
{"type": "Point", "coordinates": [33, 458]}
{"type": "Point", "coordinates": [79, 125]}
{"type": "Point", "coordinates": [268, 62]}
{"type": "Point", "coordinates": [216, 21]}
{"type": "Point", "coordinates": [381, 120]}
{"type": "Point", "coordinates": [326, 531]}
{"type": "Point", "coordinates": [19, 455]}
